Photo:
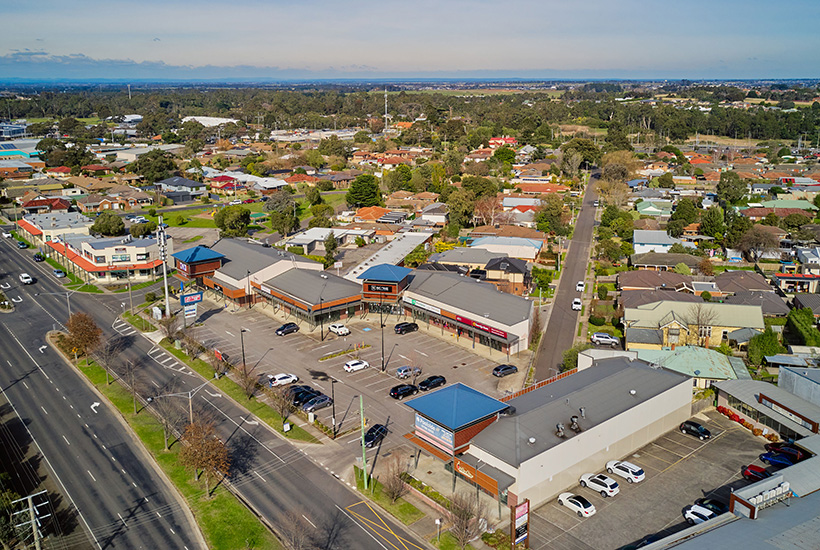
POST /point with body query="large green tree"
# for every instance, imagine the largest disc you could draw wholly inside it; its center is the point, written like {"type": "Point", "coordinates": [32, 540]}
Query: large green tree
{"type": "Point", "coordinates": [233, 221]}
{"type": "Point", "coordinates": [730, 188]}
{"type": "Point", "coordinates": [686, 210]}
{"type": "Point", "coordinates": [364, 191]}
{"type": "Point", "coordinates": [154, 165]}
{"type": "Point", "coordinates": [108, 224]}
{"type": "Point", "coordinates": [590, 153]}
{"type": "Point", "coordinates": [711, 223]}
{"type": "Point", "coordinates": [550, 217]}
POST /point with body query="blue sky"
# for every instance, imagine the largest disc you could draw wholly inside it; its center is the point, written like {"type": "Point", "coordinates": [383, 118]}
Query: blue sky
{"type": "Point", "coordinates": [180, 39]}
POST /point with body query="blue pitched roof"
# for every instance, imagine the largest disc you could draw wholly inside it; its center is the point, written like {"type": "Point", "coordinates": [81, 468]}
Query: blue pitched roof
{"type": "Point", "coordinates": [456, 406]}
{"type": "Point", "coordinates": [385, 272]}
{"type": "Point", "coordinates": [198, 253]}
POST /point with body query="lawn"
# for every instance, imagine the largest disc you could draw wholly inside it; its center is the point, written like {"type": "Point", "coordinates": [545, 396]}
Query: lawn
{"type": "Point", "coordinates": [231, 388]}
{"type": "Point", "coordinates": [401, 509]}
{"type": "Point", "coordinates": [138, 322]}
{"type": "Point", "coordinates": [137, 286]}
{"type": "Point", "coordinates": [448, 542]}
{"type": "Point", "coordinates": [17, 237]}
{"type": "Point", "coordinates": [193, 239]}
{"type": "Point", "coordinates": [224, 521]}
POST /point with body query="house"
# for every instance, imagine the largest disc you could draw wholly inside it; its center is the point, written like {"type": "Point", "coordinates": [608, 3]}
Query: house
{"type": "Point", "coordinates": [436, 213]}
{"type": "Point", "coordinates": [541, 188]}
{"type": "Point", "coordinates": [501, 230]}
{"type": "Point", "coordinates": [58, 171]}
{"type": "Point", "coordinates": [807, 206]}
{"type": "Point", "coordinates": [757, 214]}
{"type": "Point", "coordinates": [42, 205]}
{"type": "Point", "coordinates": [646, 224]}
{"type": "Point", "coordinates": [791, 283]}
{"type": "Point", "coordinates": [704, 366]}
{"type": "Point", "coordinates": [312, 240]}
{"type": "Point", "coordinates": [370, 213]}
{"type": "Point", "coordinates": [90, 185]}
{"type": "Point", "coordinates": [470, 258]}
{"type": "Point", "coordinates": [514, 247]}
{"type": "Point", "coordinates": [100, 203]}
{"type": "Point", "coordinates": [507, 141]}
{"type": "Point", "coordinates": [644, 279]}
{"type": "Point", "coordinates": [296, 179]}
{"type": "Point", "coordinates": [655, 241]}
{"type": "Point", "coordinates": [96, 169]}
{"type": "Point", "coordinates": [635, 298]}
{"type": "Point", "coordinates": [666, 323]}
{"type": "Point", "coordinates": [663, 261]}
{"type": "Point", "coordinates": [183, 185]}
{"type": "Point", "coordinates": [770, 302]}
{"type": "Point", "coordinates": [732, 282]}
{"type": "Point", "coordinates": [656, 209]}
{"type": "Point", "coordinates": [15, 170]}
{"type": "Point", "coordinates": [509, 275]}
{"type": "Point", "coordinates": [810, 301]}
{"type": "Point", "coordinates": [343, 179]}
{"type": "Point", "coordinates": [390, 163]}
{"type": "Point", "coordinates": [510, 202]}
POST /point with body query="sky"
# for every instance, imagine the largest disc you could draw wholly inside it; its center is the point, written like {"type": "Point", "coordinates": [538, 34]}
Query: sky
{"type": "Point", "coordinates": [363, 39]}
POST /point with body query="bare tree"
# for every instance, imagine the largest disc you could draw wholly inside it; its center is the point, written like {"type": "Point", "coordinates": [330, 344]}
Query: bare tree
{"type": "Point", "coordinates": [701, 317]}
{"type": "Point", "coordinates": [393, 485]}
{"type": "Point", "coordinates": [294, 532]}
{"type": "Point", "coordinates": [464, 513]}
{"type": "Point", "coordinates": [280, 401]}
{"type": "Point", "coordinates": [488, 211]}
{"type": "Point", "coordinates": [247, 378]}
{"type": "Point", "coordinates": [128, 370]}
{"type": "Point", "coordinates": [106, 354]}
{"type": "Point", "coordinates": [83, 332]}
{"type": "Point", "coordinates": [204, 453]}
{"type": "Point", "coordinates": [190, 345]}
{"type": "Point", "coordinates": [169, 325]}
{"type": "Point", "coordinates": [168, 410]}
{"type": "Point", "coordinates": [216, 362]}
{"type": "Point", "coordinates": [570, 162]}
{"type": "Point", "coordinates": [757, 241]}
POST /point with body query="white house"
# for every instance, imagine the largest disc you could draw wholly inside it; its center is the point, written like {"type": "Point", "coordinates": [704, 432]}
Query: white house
{"type": "Point", "coordinates": [644, 240]}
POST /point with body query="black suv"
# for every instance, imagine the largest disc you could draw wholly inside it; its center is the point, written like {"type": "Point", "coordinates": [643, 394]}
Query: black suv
{"type": "Point", "coordinates": [432, 382]}
{"type": "Point", "coordinates": [403, 390]}
{"type": "Point", "coordinates": [374, 435]}
{"type": "Point", "coordinates": [302, 397]}
{"type": "Point", "coordinates": [693, 428]}
{"type": "Point", "coordinates": [39, 258]}
{"type": "Point", "coordinates": [287, 328]}
{"type": "Point", "coordinates": [404, 328]}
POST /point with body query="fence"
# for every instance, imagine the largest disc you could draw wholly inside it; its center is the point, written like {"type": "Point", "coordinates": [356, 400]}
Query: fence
{"type": "Point", "coordinates": [538, 385]}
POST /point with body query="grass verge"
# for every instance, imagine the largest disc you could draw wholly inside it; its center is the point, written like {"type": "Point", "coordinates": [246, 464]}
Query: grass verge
{"type": "Point", "coordinates": [401, 509]}
{"type": "Point", "coordinates": [193, 239]}
{"type": "Point", "coordinates": [138, 322]}
{"type": "Point", "coordinates": [256, 407]}
{"type": "Point", "coordinates": [224, 521]}
{"type": "Point", "coordinates": [136, 287]}
{"type": "Point", "coordinates": [448, 542]}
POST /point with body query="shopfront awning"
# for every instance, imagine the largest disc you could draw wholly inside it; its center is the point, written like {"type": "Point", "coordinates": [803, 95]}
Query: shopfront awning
{"type": "Point", "coordinates": [425, 446]}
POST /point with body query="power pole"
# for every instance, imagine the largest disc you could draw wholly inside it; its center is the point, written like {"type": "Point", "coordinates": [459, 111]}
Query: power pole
{"type": "Point", "coordinates": [33, 515]}
{"type": "Point", "coordinates": [364, 450]}
{"type": "Point", "coordinates": [163, 254]}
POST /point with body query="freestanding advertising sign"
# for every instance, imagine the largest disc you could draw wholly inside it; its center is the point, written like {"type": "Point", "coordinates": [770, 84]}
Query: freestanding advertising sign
{"type": "Point", "coordinates": [520, 523]}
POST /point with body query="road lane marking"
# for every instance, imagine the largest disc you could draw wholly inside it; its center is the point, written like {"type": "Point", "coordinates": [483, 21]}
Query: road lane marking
{"type": "Point", "coordinates": [308, 520]}
{"type": "Point", "coordinates": [230, 334]}
{"type": "Point", "coordinates": [44, 409]}
{"type": "Point", "coordinates": [263, 479]}
{"type": "Point", "coordinates": [26, 385]}
{"type": "Point", "coordinates": [66, 440]}
{"type": "Point", "coordinates": [92, 475]}
{"type": "Point", "coordinates": [122, 520]}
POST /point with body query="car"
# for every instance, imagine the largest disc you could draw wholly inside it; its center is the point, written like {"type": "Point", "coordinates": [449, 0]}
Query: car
{"type": "Point", "coordinates": [777, 459]}
{"type": "Point", "coordinates": [235, 202]}
{"type": "Point", "coordinates": [59, 273]}
{"type": "Point", "coordinates": [318, 402]}
{"type": "Point", "coordinates": [404, 328]}
{"type": "Point", "coordinates": [339, 329]}
{"type": "Point", "coordinates": [21, 245]}
{"type": "Point", "coordinates": [580, 286]}
{"type": "Point", "coordinates": [785, 449]}
{"type": "Point", "coordinates": [697, 514]}
{"type": "Point", "coordinates": [39, 258]}
{"type": "Point", "coordinates": [282, 379]}
{"type": "Point", "coordinates": [605, 485]}
{"type": "Point", "coordinates": [129, 217]}
{"type": "Point", "coordinates": [248, 201]}
{"type": "Point", "coordinates": [717, 506]}
{"type": "Point", "coordinates": [754, 473]}
{"type": "Point", "coordinates": [302, 397]}
{"type": "Point", "coordinates": [577, 304]}
{"type": "Point", "coordinates": [287, 328]}
{"type": "Point", "coordinates": [7, 234]}
{"type": "Point", "coordinates": [374, 435]}
{"type": "Point", "coordinates": [407, 372]}
{"type": "Point", "coordinates": [432, 382]}
{"type": "Point", "coordinates": [139, 219]}
{"type": "Point", "coordinates": [693, 428]}
{"type": "Point", "coordinates": [604, 339]}
{"type": "Point", "coordinates": [577, 504]}
{"type": "Point", "coordinates": [627, 470]}
{"type": "Point", "coordinates": [403, 390]}
{"type": "Point", "coordinates": [293, 389]}
{"type": "Point", "coordinates": [356, 364]}
{"type": "Point", "coordinates": [26, 279]}
{"type": "Point", "coordinates": [503, 370]}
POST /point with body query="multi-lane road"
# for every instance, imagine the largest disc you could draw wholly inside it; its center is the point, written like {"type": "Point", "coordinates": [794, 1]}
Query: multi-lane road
{"type": "Point", "coordinates": [272, 475]}
{"type": "Point", "coordinates": [120, 499]}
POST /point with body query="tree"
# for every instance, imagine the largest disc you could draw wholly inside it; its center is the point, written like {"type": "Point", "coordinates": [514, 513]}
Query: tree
{"type": "Point", "coordinates": [168, 325]}
{"type": "Point", "coordinates": [705, 267]}
{"type": "Point", "coordinates": [683, 269]}
{"type": "Point", "coordinates": [106, 354]}
{"type": "Point", "coordinates": [314, 158]}
{"type": "Point", "coordinates": [247, 378]}
{"type": "Point", "coordinates": [233, 221]}
{"type": "Point", "coordinates": [320, 221]}
{"type": "Point", "coordinates": [481, 187]}
{"type": "Point", "coordinates": [570, 162]}
{"type": "Point", "coordinates": [464, 512]}
{"type": "Point", "coordinates": [619, 165]}
{"type": "Point", "coordinates": [756, 242]}
{"type": "Point", "coordinates": [333, 146]}
{"type": "Point", "coordinates": [393, 485]}
{"type": "Point", "coordinates": [139, 230]}
{"type": "Point", "coordinates": [294, 531]}
{"type": "Point", "coordinates": [730, 188]}
{"type": "Point", "coordinates": [794, 221]}
{"type": "Point", "coordinates": [616, 138]}
{"type": "Point", "coordinates": [685, 210]}
{"type": "Point", "coordinates": [398, 178]}
{"type": "Point", "coordinates": [550, 217]}
{"type": "Point", "coordinates": [610, 214]}
{"type": "Point", "coordinates": [701, 316]}
{"type": "Point", "coordinates": [108, 224]}
{"type": "Point", "coordinates": [313, 196]}
{"type": "Point", "coordinates": [154, 165]}
{"type": "Point", "coordinates": [284, 223]}
{"type": "Point", "coordinates": [331, 244]}
{"type": "Point", "coordinates": [191, 345]}
{"type": "Point", "coordinates": [364, 191]}
{"type": "Point", "coordinates": [281, 401]}
{"type": "Point", "coordinates": [205, 452]}
{"type": "Point", "coordinates": [504, 154]}
{"type": "Point", "coordinates": [711, 223]}
{"type": "Point", "coordinates": [83, 332]}
{"type": "Point", "coordinates": [762, 345]}
{"type": "Point", "coordinates": [737, 228]}
{"type": "Point", "coordinates": [462, 204]}
{"type": "Point", "coordinates": [590, 153]}
{"type": "Point", "coordinates": [489, 211]}
{"type": "Point", "coordinates": [322, 210]}
{"type": "Point", "coordinates": [128, 370]}
{"type": "Point", "coordinates": [609, 250]}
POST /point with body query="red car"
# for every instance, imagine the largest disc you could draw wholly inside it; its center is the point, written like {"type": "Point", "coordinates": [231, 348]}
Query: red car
{"type": "Point", "coordinates": [754, 473]}
{"type": "Point", "coordinates": [248, 201]}
{"type": "Point", "coordinates": [785, 449]}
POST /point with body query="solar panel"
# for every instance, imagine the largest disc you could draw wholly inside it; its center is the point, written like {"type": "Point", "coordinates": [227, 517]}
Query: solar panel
{"type": "Point", "coordinates": [7, 146]}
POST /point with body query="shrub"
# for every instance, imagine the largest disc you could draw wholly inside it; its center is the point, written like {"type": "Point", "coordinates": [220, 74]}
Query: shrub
{"type": "Point", "coordinates": [603, 293]}
{"type": "Point", "coordinates": [152, 211]}
{"type": "Point", "coordinates": [297, 250]}
{"type": "Point", "coordinates": [772, 437]}
{"type": "Point", "coordinates": [597, 321]}
{"type": "Point", "coordinates": [150, 297]}
{"type": "Point", "coordinates": [757, 432]}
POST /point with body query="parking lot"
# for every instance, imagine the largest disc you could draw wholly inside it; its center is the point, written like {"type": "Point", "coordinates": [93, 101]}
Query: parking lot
{"type": "Point", "coordinates": [299, 353]}
{"type": "Point", "coordinates": [679, 469]}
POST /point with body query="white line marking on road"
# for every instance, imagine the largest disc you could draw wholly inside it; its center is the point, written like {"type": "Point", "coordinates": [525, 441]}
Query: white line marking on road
{"type": "Point", "coordinates": [92, 475]}
{"type": "Point", "coordinates": [213, 394]}
{"type": "Point", "coordinates": [421, 352]}
{"type": "Point", "coordinates": [134, 484]}
{"type": "Point", "coordinates": [44, 409]}
{"type": "Point", "coordinates": [122, 520]}
{"type": "Point", "coordinates": [94, 406]}
{"type": "Point", "coordinates": [403, 357]}
{"type": "Point", "coordinates": [230, 334]}
{"type": "Point", "coordinates": [172, 531]}
{"type": "Point", "coordinates": [70, 405]}
{"type": "Point", "coordinates": [251, 422]}
{"type": "Point", "coordinates": [9, 362]}
{"type": "Point", "coordinates": [66, 440]}
{"type": "Point", "coordinates": [166, 360]}
{"type": "Point", "coordinates": [26, 385]}
{"type": "Point", "coordinates": [146, 498]}
{"type": "Point", "coordinates": [114, 459]}
{"type": "Point", "coordinates": [310, 522]}
{"type": "Point", "coordinates": [154, 383]}
{"type": "Point", "coordinates": [260, 477]}
{"type": "Point", "coordinates": [160, 515]}
{"type": "Point", "coordinates": [17, 301]}
{"type": "Point", "coordinates": [123, 471]}
{"type": "Point", "coordinates": [361, 527]}
{"type": "Point", "coordinates": [246, 431]}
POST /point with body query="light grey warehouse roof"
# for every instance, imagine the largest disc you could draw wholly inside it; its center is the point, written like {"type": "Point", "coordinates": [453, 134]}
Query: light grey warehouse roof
{"type": "Point", "coordinates": [308, 285]}
{"type": "Point", "coordinates": [465, 255]}
{"type": "Point", "coordinates": [58, 220]}
{"type": "Point", "coordinates": [748, 390]}
{"type": "Point", "coordinates": [242, 256]}
{"type": "Point", "coordinates": [602, 390]}
{"type": "Point", "coordinates": [482, 299]}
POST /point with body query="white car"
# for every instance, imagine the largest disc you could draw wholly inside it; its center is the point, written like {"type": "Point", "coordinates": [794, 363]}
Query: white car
{"type": "Point", "coordinates": [339, 328]}
{"type": "Point", "coordinates": [697, 514]}
{"type": "Point", "coordinates": [576, 304]}
{"type": "Point", "coordinates": [356, 364]}
{"type": "Point", "coordinates": [605, 485]}
{"type": "Point", "coordinates": [282, 379]}
{"type": "Point", "coordinates": [580, 286]}
{"type": "Point", "coordinates": [627, 470]}
{"type": "Point", "coordinates": [577, 504]}
{"type": "Point", "coordinates": [7, 234]}
{"type": "Point", "coordinates": [26, 279]}
{"type": "Point", "coordinates": [235, 202]}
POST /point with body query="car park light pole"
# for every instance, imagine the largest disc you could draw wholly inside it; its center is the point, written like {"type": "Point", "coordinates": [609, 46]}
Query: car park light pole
{"type": "Point", "coordinates": [189, 394]}
{"type": "Point", "coordinates": [333, 404]}
{"type": "Point", "coordinates": [381, 323]}
{"type": "Point", "coordinates": [242, 343]}
{"type": "Point", "coordinates": [67, 297]}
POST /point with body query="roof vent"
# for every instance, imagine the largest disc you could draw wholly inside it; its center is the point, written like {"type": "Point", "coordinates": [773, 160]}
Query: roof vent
{"type": "Point", "coordinates": [531, 441]}
{"type": "Point", "coordinates": [632, 392]}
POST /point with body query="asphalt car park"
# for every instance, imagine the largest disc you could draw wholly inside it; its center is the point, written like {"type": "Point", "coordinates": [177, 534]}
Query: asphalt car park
{"type": "Point", "coordinates": [299, 353]}
{"type": "Point", "coordinates": [679, 469]}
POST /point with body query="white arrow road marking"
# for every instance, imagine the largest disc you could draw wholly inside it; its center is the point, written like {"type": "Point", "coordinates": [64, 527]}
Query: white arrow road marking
{"type": "Point", "coordinates": [94, 406]}
{"type": "Point", "coordinates": [7, 285]}
{"type": "Point", "coordinates": [251, 422]}
{"type": "Point", "coordinates": [41, 348]}
{"type": "Point", "coordinates": [213, 394]}
{"type": "Point", "coordinates": [18, 300]}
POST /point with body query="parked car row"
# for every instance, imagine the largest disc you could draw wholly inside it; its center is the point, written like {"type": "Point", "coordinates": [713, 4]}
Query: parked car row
{"type": "Point", "coordinates": [602, 484]}
{"type": "Point", "coordinates": [307, 398]}
{"type": "Point", "coordinates": [780, 455]}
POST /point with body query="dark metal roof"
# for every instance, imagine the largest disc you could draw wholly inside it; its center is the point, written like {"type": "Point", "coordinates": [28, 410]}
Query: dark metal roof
{"type": "Point", "coordinates": [644, 336]}
{"type": "Point", "coordinates": [313, 287]}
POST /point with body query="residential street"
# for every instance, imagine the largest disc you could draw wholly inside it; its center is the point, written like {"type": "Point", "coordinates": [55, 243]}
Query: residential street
{"type": "Point", "coordinates": [562, 327]}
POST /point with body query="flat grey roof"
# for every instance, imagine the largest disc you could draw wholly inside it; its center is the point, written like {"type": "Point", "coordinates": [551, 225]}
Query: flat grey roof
{"type": "Point", "coordinates": [812, 374]}
{"type": "Point", "coordinates": [603, 390]}
{"type": "Point", "coordinates": [463, 255]}
{"type": "Point", "coordinates": [308, 286]}
{"type": "Point", "coordinates": [482, 299]}
{"type": "Point", "coordinates": [242, 256]}
{"type": "Point", "coordinates": [748, 390]}
{"type": "Point", "coordinates": [393, 252]}
{"type": "Point", "coordinates": [58, 220]}
{"type": "Point", "coordinates": [644, 335]}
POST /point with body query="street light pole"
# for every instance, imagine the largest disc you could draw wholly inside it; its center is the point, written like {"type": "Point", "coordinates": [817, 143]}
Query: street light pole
{"type": "Point", "coordinates": [381, 324]}
{"type": "Point", "coordinates": [333, 404]}
{"type": "Point", "coordinates": [242, 342]}
{"type": "Point", "coordinates": [67, 298]}
{"type": "Point", "coordinates": [189, 394]}
{"type": "Point", "coordinates": [321, 321]}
